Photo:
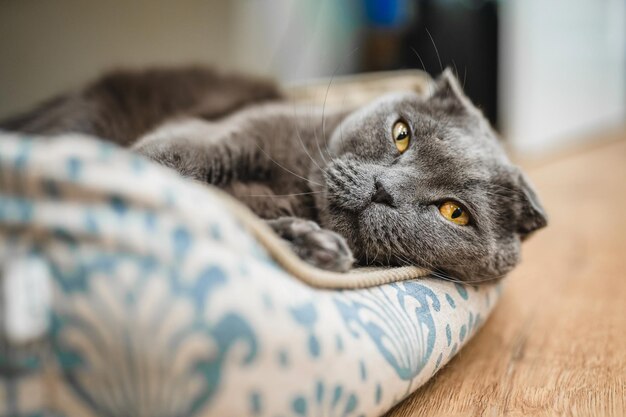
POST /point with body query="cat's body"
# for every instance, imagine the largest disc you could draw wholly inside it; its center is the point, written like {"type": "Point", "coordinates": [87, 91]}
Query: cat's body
{"type": "Point", "coordinates": [340, 168]}
{"type": "Point", "coordinates": [256, 153]}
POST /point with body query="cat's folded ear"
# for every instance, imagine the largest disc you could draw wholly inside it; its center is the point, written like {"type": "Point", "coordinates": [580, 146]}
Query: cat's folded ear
{"type": "Point", "coordinates": [532, 215]}
{"type": "Point", "coordinates": [448, 94]}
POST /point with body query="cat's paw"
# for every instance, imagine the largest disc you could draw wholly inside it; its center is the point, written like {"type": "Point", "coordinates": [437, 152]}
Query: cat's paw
{"type": "Point", "coordinates": [319, 247]}
{"type": "Point", "coordinates": [182, 157]}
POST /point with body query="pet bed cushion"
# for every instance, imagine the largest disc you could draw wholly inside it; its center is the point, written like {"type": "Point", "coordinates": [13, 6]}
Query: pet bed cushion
{"type": "Point", "coordinates": [128, 290]}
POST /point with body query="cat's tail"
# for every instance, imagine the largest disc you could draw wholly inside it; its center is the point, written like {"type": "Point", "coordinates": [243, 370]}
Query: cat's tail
{"type": "Point", "coordinates": [125, 104]}
{"type": "Point", "coordinates": [60, 114]}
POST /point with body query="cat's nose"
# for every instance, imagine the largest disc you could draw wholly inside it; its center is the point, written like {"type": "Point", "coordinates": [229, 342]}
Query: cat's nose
{"type": "Point", "coordinates": [381, 195]}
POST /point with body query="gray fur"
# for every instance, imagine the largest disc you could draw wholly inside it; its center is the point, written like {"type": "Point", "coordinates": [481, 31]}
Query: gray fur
{"type": "Point", "coordinates": [340, 168]}
{"type": "Point", "coordinates": [454, 154]}
{"type": "Point", "coordinates": [320, 247]}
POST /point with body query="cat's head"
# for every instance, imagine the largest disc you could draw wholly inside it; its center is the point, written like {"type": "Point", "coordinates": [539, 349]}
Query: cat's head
{"type": "Point", "coordinates": [424, 180]}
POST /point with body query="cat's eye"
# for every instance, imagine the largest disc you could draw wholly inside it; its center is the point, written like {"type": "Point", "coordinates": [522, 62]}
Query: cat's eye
{"type": "Point", "coordinates": [401, 135]}
{"type": "Point", "coordinates": [454, 212]}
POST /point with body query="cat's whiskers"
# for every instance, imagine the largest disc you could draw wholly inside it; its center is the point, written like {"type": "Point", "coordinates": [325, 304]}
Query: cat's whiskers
{"type": "Point", "coordinates": [287, 169]}
{"type": "Point", "coordinates": [324, 138]}
{"type": "Point", "coordinates": [403, 259]}
{"type": "Point", "coordinates": [435, 271]}
{"type": "Point", "coordinates": [324, 109]}
{"type": "Point", "coordinates": [317, 143]}
{"type": "Point", "coordinates": [436, 50]}
{"type": "Point", "coordinates": [431, 87]}
{"type": "Point", "coordinates": [282, 195]}
{"type": "Point", "coordinates": [464, 76]}
{"type": "Point", "coordinates": [299, 134]}
{"type": "Point", "coordinates": [486, 279]}
{"type": "Point", "coordinates": [343, 104]}
{"type": "Point", "coordinates": [510, 190]}
{"type": "Point", "coordinates": [446, 277]}
{"type": "Point", "coordinates": [456, 69]}
{"type": "Point", "coordinates": [374, 257]}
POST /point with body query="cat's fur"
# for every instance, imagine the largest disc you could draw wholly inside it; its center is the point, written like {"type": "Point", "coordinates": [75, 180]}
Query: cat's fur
{"type": "Point", "coordinates": [296, 166]}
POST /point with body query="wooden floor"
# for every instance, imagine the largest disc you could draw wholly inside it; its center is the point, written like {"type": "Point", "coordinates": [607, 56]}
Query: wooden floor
{"type": "Point", "coordinates": [556, 342]}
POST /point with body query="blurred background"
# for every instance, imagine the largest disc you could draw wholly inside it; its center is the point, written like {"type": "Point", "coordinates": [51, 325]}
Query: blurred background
{"type": "Point", "coordinates": [546, 73]}
{"type": "Point", "coordinates": [549, 74]}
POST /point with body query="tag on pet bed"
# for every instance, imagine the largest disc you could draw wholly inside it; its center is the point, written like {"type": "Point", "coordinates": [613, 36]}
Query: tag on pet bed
{"type": "Point", "coordinates": [27, 295]}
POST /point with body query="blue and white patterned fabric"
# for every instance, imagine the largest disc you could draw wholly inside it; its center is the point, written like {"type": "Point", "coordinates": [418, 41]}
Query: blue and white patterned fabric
{"type": "Point", "coordinates": [130, 291]}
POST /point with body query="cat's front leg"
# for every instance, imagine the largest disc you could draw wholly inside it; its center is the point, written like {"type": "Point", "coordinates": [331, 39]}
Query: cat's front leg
{"type": "Point", "coordinates": [319, 247]}
{"type": "Point", "coordinates": [198, 149]}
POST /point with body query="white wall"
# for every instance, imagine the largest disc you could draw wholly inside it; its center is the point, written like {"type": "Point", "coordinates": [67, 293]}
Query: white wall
{"type": "Point", "coordinates": [563, 70]}
{"type": "Point", "coordinates": [49, 46]}
{"type": "Point", "coordinates": [296, 39]}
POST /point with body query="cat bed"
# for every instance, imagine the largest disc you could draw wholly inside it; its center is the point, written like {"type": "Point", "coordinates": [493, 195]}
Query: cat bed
{"type": "Point", "coordinates": [128, 290]}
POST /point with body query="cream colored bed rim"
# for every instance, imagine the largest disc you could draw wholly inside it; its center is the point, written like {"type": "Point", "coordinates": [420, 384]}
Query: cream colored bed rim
{"type": "Point", "coordinates": [315, 277]}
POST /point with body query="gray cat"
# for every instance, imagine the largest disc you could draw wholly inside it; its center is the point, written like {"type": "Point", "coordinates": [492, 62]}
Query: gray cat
{"type": "Point", "coordinates": [406, 179]}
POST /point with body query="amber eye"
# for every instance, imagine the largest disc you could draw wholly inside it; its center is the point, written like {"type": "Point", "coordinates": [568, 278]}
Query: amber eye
{"type": "Point", "coordinates": [401, 135]}
{"type": "Point", "coordinates": [455, 213]}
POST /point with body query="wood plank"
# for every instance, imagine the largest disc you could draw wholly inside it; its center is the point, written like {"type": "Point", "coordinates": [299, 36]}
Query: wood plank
{"type": "Point", "coordinates": [556, 343]}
